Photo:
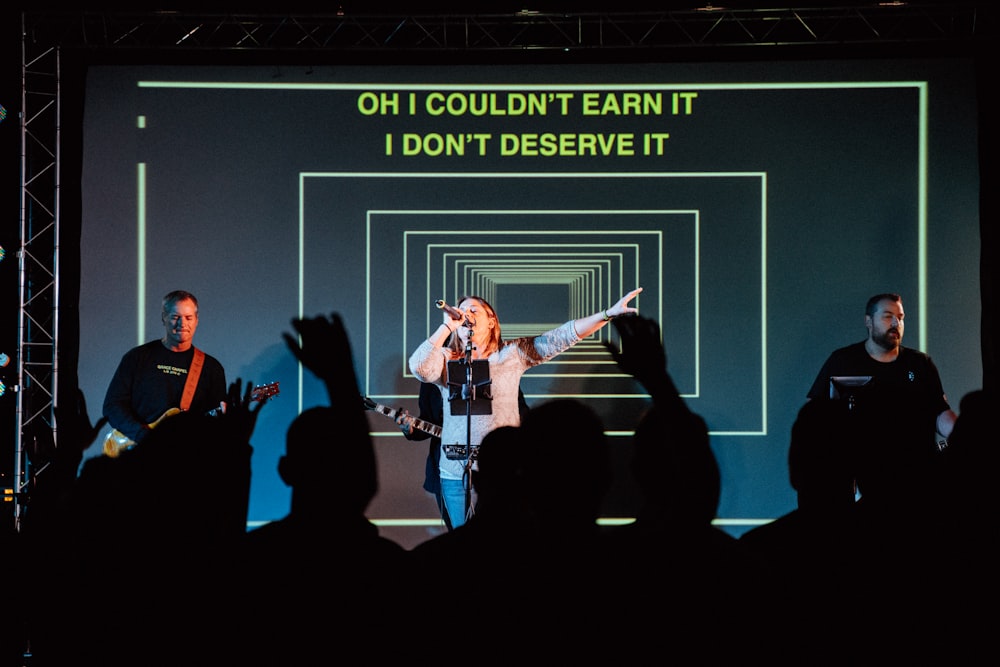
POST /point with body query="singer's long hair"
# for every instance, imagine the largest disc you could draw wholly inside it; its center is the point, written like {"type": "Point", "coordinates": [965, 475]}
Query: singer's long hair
{"type": "Point", "coordinates": [457, 345]}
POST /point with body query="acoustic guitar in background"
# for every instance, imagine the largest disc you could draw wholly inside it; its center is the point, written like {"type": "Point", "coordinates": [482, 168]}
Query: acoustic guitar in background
{"type": "Point", "coordinates": [116, 442]}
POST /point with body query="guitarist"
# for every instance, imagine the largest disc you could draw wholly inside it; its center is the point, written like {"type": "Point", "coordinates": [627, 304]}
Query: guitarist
{"type": "Point", "coordinates": [150, 378]}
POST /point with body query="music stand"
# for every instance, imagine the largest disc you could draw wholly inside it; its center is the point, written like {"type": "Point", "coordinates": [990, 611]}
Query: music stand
{"type": "Point", "coordinates": [847, 387]}
{"type": "Point", "coordinates": [469, 393]}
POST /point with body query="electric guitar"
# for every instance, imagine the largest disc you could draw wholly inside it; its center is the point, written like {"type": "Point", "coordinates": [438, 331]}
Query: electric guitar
{"type": "Point", "coordinates": [116, 442]}
{"type": "Point", "coordinates": [391, 413]}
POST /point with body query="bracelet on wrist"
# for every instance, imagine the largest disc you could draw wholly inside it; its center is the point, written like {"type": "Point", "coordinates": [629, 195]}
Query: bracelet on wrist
{"type": "Point", "coordinates": [607, 317]}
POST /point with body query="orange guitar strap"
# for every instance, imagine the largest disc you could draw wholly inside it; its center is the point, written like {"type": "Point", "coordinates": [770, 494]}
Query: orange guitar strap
{"type": "Point", "coordinates": [192, 379]}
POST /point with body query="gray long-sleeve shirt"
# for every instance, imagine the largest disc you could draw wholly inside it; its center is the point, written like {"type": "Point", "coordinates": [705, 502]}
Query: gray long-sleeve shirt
{"type": "Point", "coordinates": [430, 364]}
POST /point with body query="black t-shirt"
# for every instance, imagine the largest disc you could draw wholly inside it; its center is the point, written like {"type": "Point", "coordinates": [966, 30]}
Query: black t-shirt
{"type": "Point", "coordinates": [912, 378]}
{"type": "Point", "coordinates": [150, 380]}
{"type": "Point", "coordinates": [893, 418]}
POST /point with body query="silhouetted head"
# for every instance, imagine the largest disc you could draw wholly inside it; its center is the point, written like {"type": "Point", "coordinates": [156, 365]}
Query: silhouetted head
{"type": "Point", "coordinates": [970, 460]}
{"type": "Point", "coordinates": [675, 467]}
{"type": "Point", "coordinates": [568, 466]}
{"type": "Point", "coordinates": [499, 480]}
{"type": "Point", "coordinates": [329, 461]}
{"type": "Point", "coordinates": [975, 421]}
{"type": "Point", "coordinates": [820, 454]}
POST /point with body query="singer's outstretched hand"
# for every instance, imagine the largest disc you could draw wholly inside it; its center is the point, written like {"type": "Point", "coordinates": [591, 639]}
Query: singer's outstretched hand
{"type": "Point", "coordinates": [622, 307]}
{"type": "Point", "coordinates": [585, 326]}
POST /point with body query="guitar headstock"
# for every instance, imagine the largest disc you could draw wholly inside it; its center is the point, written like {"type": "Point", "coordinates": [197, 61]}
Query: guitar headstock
{"type": "Point", "coordinates": [264, 392]}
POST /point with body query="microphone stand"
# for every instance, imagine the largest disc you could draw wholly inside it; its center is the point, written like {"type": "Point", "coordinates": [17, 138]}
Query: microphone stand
{"type": "Point", "coordinates": [468, 393]}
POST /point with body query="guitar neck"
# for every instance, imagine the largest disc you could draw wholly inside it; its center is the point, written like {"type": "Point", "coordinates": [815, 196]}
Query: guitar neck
{"type": "Point", "coordinates": [415, 422]}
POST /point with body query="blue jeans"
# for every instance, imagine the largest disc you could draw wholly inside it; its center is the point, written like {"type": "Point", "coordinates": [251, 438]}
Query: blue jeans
{"type": "Point", "coordinates": [453, 494]}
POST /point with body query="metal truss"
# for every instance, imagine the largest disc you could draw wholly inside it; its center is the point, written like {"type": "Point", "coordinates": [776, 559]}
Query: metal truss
{"type": "Point", "coordinates": [38, 263]}
{"type": "Point", "coordinates": [102, 34]}
{"type": "Point", "coordinates": [707, 26]}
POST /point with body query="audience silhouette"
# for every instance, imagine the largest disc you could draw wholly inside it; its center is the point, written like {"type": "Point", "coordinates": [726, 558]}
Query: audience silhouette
{"type": "Point", "coordinates": [501, 522]}
{"type": "Point", "coordinates": [131, 554]}
{"type": "Point", "coordinates": [321, 583]}
{"type": "Point", "coordinates": [530, 553]}
{"type": "Point", "coordinates": [141, 560]}
{"type": "Point", "coordinates": [490, 556]}
{"type": "Point", "coordinates": [13, 624]}
{"type": "Point", "coordinates": [927, 572]}
{"type": "Point", "coordinates": [57, 477]}
{"type": "Point", "coordinates": [566, 479]}
{"type": "Point", "coordinates": [811, 553]}
{"type": "Point", "coordinates": [672, 556]}
{"type": "Point", "coordinates": [967, 535]}
{"type": "Point", "coordinates": [969, 501]}
{"type": "Point", "coordinates": [39, 534]}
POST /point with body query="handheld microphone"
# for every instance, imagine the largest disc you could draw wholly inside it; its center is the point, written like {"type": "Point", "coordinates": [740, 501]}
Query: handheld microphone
{"type": "Point", "coordinates": [455, 313]}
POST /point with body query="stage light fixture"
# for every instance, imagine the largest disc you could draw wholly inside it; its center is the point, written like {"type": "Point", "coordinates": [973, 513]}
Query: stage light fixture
{"type": "Point", "coordinates": [4, 361]}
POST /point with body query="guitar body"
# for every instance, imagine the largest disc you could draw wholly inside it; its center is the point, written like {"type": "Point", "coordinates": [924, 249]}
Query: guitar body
{"type": "Point", "coordinates": [117, 442]}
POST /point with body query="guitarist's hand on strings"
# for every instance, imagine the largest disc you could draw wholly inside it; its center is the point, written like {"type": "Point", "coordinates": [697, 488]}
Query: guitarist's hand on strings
{"type": "Point", "coordinates": [404, 421]}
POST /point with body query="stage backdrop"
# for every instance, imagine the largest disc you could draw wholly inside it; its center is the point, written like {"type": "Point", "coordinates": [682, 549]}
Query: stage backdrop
{"type": "Point", "coordinates": [758, 204]}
